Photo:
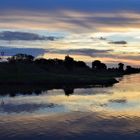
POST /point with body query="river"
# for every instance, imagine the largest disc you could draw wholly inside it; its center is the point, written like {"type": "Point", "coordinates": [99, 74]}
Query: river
{"type": "Point", "coordinates": [87, 114]}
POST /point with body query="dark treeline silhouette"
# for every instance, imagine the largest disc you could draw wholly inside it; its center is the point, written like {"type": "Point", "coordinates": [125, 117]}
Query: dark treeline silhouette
{"type": "Point", "coordinates": [27, 70]}
{"type": "Point", "coordinates": [97, 65]}
{"type": "Point", "coordinates": [33, 90]}
{"type": "Point", "coordinates": [70, 64]}
{"type": "Point", "coordinates": [21, 58]}
{"type": "Point", "coordinates": [130, 69]}
{"type": "Point", "coordinates": [15, 90]}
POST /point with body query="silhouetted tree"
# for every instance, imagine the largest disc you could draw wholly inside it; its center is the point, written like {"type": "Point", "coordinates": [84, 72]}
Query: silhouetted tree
{"type": "Point", "coordinates": [97, 65]}
{"type": "Point", "coordinates": [41, 61]}
{"type": "Point", "coordinates": [69, 62]}
{"type": "Point", "coordinates": [58, 62]}
{"type": "Point", "coordinates": [81, 64]}
{"type": "Point", "coordinates": [121, 67]}
{"type": "Point", "coordinates": [103, 66]}
{"type": "Point", "coordinates": [130, 69]}
{"type": "Point", "coordinates": [21, 58]}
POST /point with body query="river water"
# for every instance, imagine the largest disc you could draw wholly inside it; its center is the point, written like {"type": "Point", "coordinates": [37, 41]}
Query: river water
{"type": "Point", "coordinates": [89, 113]}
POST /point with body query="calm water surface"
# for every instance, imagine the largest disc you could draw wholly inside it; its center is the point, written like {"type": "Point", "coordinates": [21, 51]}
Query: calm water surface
{"type": "Point", "coordinates": [92, 113]}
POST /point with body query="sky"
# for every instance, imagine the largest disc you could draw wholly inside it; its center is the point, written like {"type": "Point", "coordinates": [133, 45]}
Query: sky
{"type": "Point", "coordinates": [108, 30]}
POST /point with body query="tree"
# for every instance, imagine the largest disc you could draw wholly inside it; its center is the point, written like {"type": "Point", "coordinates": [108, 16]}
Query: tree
{"type": "Point", "coordinates": [40, 61]}
{"type": "Point", "coordinates": [69, 62]}
{"type": "Point", "coordinates": [21, 58]}
{"type": "Point", "coordinates": [121, 67]}
{"type": "Point", "coordinates": [97, 65]}
{"type": "Point", "coordinates": [81, 64]}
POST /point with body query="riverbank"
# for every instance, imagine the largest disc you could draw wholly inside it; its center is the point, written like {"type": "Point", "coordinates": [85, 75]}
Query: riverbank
{"type": "Point", "coordinates": [32, 74]}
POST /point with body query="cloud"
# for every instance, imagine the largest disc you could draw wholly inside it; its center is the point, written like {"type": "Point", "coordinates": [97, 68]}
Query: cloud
{"type": "Point", "coordinates": [118, 42]}
{"type": "Point", "coordinates": [101, 54]}
{"type": "Point", "coordinates": [71, 15]}
{"type": "Point", "coordinates": [24, 36]}
{"type": "Point", "coordinates": [89, 52]}
{"type": "Point", "coordinates": [84, 51]}
{"type": "Point", "coordinates": [10, 51]}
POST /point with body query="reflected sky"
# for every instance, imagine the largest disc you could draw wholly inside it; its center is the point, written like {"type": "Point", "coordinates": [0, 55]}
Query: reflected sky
{"type": "Point", "coordinates": [123, 96]}
{"type": "Point", "coordinates": [108, 112]}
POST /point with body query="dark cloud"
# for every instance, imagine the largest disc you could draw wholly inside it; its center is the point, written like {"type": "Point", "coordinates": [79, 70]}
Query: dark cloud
{"type": "Point", "coordinates": [118, 42]}
{"type": "Point", "coordinates": [96, 53]}
{"type": "Point", "coordinates": [9, 51]}
{"type": "Point", "coordinates": [86, 52]}
{"type": "Point", "coordinates": [25, 36]}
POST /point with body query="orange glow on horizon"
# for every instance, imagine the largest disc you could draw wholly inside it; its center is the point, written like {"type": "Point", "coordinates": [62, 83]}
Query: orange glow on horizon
{"type": "Point", "coordinates": [89, 59]}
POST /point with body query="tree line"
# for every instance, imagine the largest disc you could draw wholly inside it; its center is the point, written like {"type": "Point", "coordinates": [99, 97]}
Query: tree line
{"type": "Point", "coordinates": [70, 63]}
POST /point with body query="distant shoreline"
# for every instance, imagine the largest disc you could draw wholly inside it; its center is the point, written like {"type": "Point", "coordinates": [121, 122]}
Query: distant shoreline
{"type": "Point", "coordinates": [23, 69]}
{"type": "Point", "coordinates": [14, 89]}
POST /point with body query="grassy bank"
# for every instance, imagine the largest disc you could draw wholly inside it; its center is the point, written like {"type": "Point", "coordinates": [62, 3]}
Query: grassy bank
{"type": "Point", "coordinates": [33, 74]}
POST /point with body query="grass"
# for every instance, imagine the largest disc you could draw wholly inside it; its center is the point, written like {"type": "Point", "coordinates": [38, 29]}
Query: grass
{"type": "Point", "coordinates": [34, 74]}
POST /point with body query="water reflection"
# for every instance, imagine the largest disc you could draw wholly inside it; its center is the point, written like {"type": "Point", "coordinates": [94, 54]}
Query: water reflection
{"type": "Point", "coordinates": [71, 126]}
{"type": "Point", "coordinates": [118, 101]}
{"type": "Point", "coordinates": [88, 113]}
{"type": "Point", "coordinates": [25, 107]}
{"type": "Point", "coordinates": [13, 90]}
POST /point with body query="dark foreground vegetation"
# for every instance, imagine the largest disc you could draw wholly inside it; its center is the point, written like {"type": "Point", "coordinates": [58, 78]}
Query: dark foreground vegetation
{"type": "Point", "coordinates": [23, 69]}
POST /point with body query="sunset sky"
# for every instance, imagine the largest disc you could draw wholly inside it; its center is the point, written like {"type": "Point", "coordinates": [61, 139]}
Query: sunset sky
{"type": "Point", "coordinates": [108, 30]}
